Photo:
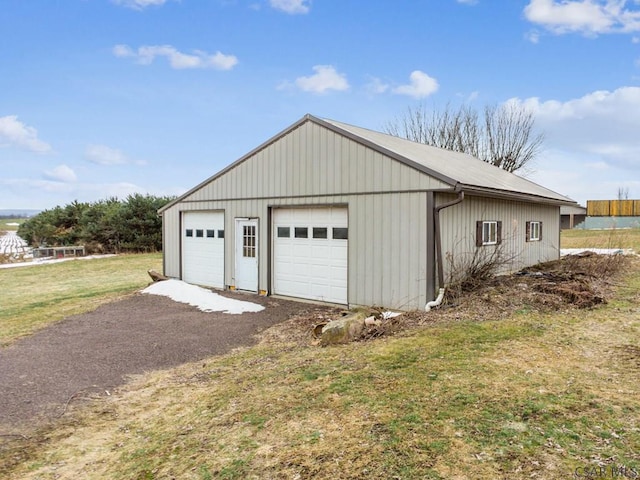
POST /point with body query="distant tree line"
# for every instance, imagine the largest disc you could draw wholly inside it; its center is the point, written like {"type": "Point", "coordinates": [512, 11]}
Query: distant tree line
{"type": "Point", "coordinates": [106, 226]}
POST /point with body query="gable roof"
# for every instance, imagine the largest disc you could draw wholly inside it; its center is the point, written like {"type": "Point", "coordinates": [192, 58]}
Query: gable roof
{"type": "Point", "coordinates": [459, 170]}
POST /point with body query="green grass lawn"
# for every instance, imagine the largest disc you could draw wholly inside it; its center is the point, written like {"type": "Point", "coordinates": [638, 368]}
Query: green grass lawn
{"type": "Point", "coordinates": [533, 396]}
{"type": "Point", "coordinates": [6, 224]}
{"type": "Point", "coordinates": [551, 396]}
{"type": "Point", "coordinates": [617, 238]}
{"type": "Point", "coordinates": [36, 296]}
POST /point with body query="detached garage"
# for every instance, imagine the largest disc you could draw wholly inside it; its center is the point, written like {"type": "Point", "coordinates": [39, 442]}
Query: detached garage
{"type": "Point", "coordinates": [331, 212]}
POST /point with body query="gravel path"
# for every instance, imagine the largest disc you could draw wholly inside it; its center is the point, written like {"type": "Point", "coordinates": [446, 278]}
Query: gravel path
{"type": "Point", "coordinates": [90, 354]}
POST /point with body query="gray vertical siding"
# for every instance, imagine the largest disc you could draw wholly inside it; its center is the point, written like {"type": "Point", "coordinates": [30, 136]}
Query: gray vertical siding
{"type": "Point", "coordinates": [387, 239]}
{"type": "Point", "coordinates": [459, 230]}
{"type": "Point", "coordinates": [387, 207]}
{"type": "Point", "coordinates": [313, 161]}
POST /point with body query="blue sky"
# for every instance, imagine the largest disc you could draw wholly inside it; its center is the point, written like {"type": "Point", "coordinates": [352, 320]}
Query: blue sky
{"type": "Point", "coordinates": [102, 98]}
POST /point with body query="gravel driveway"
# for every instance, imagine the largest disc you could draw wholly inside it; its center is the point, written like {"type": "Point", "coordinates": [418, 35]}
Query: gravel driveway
{"type": "Point", "coordinates": [92, 353]}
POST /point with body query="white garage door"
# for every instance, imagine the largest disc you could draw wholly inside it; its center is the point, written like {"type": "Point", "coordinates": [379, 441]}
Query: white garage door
{"type": "Point", "coordinates": [310, 253]}
{"type": "Point", "coordinates": [203, 248]}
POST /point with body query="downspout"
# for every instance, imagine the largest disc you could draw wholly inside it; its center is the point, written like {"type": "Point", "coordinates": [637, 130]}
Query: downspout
{"type": "Point", "coordinates": [436, 221]}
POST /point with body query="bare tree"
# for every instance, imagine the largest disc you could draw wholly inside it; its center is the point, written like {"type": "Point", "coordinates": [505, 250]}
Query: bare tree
{"type": "Point", "coordinates": [623, 193]}
{"type": "Point", "coordinates": [504, 137]}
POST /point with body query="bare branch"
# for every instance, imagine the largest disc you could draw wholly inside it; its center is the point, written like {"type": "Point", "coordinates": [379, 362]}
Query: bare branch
{"type": "Point", "coordinates": [504, 137]}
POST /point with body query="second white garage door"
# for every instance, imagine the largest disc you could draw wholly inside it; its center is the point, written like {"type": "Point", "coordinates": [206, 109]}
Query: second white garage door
{"type": "Point", "coordinates": [310, 253]}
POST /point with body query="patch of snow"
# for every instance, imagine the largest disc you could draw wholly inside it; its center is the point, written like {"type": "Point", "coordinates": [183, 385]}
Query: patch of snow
{"type": "Point", "coordinates": [199, 297]}
{"type": "Point", "coordinates": [599, 251]}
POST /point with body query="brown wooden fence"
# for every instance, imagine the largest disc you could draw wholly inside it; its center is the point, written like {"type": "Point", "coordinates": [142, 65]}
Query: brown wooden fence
{"type": "Point", "coordinates": [613, 208]}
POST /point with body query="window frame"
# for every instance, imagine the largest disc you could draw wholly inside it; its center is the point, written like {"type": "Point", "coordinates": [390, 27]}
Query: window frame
{"type": "Point", "coordinates": [534, 231]}
{"type": "Point", "coordinates": [481, 240]}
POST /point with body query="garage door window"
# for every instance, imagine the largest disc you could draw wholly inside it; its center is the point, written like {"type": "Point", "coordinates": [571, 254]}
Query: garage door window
{"type": "Point", "coordinates": [220, 233]}
{"type": "Point", "coordinates": [319, 232]}
{"type": "Point", "coordinates": [199, 233]}
{"type": "Point", "coordinates": [211, 233]}
{"type": "Point", "coordinates": [189, 232]}
{"type": "Point", "coordinates": [301, 232]}
{"type": "Point", "coordinates": [249, 241]}
{"type": "Point", "coordinates": [340, 233]}
{"type": "Point", "coordinates": [284, 232]}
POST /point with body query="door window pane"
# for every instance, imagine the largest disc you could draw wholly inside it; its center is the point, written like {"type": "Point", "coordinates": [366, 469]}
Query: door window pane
{"type": "Point", "coordinates": [249, 241]}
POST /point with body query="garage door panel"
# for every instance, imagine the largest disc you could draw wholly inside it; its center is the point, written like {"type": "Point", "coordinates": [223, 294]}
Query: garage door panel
{"type": "Point", "coordinates": [312, 266]}
{"type": "Point", "coordinates": [203, 256]}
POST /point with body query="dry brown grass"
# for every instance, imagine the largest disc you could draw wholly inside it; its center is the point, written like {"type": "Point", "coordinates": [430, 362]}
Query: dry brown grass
{"type": "Point", "coordinates": [615, 238]}
{"type": "Point", "coordinates": [488, 389]}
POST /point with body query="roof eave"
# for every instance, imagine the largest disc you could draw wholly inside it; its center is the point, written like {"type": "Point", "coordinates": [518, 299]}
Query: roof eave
{"type": "Point", "coordinates": [511, 195]}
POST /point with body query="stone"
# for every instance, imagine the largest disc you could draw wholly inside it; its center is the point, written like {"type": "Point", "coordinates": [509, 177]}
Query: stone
{"type": "Point", "coordinates": [343, 330]}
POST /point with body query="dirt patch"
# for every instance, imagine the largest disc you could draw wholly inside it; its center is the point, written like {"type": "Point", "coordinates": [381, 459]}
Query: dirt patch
{"type": "Point", "coordinates": [572, 282]}
{"type": "Point", "coordinates": [87, 356]}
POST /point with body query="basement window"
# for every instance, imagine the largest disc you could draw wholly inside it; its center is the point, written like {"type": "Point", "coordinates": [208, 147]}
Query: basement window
{"type": "Point", "coordinates": [534, 231]}
{"type": "Point", "coordinates": [488, 233]}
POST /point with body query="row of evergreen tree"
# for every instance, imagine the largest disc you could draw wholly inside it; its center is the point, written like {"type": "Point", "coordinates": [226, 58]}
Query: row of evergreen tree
{"type": "Point", "coordinates": [106, 226]}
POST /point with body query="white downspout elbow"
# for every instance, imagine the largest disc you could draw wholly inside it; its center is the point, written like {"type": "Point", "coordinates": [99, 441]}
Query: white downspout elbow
{"type": "Point", "coordinates": [436, 302]}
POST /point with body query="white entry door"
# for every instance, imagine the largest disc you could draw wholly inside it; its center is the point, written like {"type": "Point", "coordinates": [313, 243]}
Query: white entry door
{"type": "Point", "coordinates": [247, 254]}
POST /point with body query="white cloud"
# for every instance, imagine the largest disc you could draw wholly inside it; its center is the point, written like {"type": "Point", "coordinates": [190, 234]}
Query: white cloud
{"type": "Point", "coordinates": [533, 36]}
{"type": "Point", "coordinates": [422, 85]}
{"type": "Point", "coordinates": [602, 123]}
{"type": "Point", "coordinates": [590, 17]}
{"type": "Point", "coordinates": [596, 135]}
{"type": "Point", "coordinates": [146, 54]}
{"type": "Point", "coordinates": [326, 78]}
{"type": "Point", "coordinates": [376, 86]}
{"type": "Point", "coordinates": [15, 133]}
{"type": "Point", "coordinates": [291, 6]}
{"type": "Point", "coordinates": [138, 4]}
{"type": "Point", "coordinates": [61, 173]}
{"type": "Point", "coordinates": [103, 155]}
